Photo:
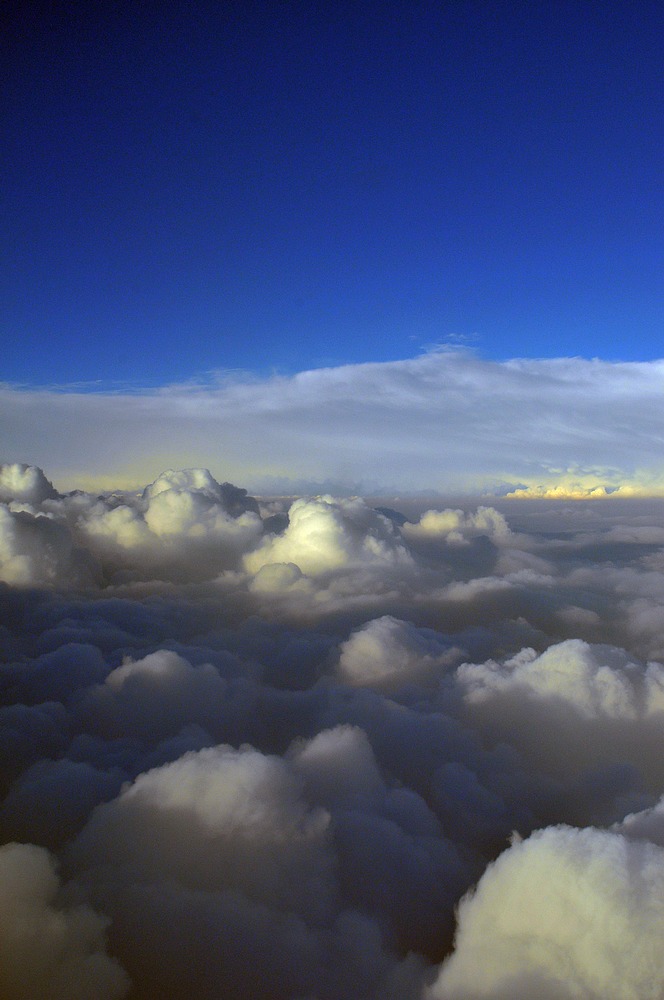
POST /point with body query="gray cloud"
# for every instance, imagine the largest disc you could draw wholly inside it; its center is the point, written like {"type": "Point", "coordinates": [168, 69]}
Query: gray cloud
{"type": "Point", "coordinates": [274, 747]}
{"type": "Point", "coordinates": [47, 948]}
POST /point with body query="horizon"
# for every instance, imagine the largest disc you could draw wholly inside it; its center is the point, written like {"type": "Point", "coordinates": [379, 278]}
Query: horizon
{"type": "Point", "coordinates": [331, 500]}
{"type": "Point", "coordinates": [446, 421]}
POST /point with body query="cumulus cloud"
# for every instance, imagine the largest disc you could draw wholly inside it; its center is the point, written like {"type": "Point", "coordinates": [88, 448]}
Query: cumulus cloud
{"type": "Point", "coordinates": [325, 534]}
{"type": "Point", "coordinates": [572, 710]}
{"type": "Point", "coordinates": [218, 818]}
{"type": "Point", "coordinates": [276, 742]}
{"type": "Point", "coordinates": [185, 525]}
{"type": "Point", "coordinates": [456, 526]}
{"type": "Point", "coordinates": [567, 913]}
{"type": "Point", "coordinates": [24, 484]}
{"type": "Point", "coordinates": [594, 681]}
{"type": "Point", "coordinates": [38, 551]}
{"type": "Point", "coordinates": [48, 948]}
{"type": "Point", "coordinates": [387, 652]}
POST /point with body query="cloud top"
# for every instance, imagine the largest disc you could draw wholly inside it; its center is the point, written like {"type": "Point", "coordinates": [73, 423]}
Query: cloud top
{"type": "Point", "coordinates": [279, 747]}
{"type": "Point", "coordinates": [565, 914]}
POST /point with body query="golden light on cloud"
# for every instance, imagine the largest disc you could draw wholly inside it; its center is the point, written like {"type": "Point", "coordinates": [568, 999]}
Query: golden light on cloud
{"type": "Point", "coordinates": [443, 422]}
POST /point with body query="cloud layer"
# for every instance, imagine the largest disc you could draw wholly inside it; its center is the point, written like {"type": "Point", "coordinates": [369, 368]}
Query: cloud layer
{"type": "Point", "coordinates": [263, 748]}
{"type": "Point", "coordinates": [444, 421]}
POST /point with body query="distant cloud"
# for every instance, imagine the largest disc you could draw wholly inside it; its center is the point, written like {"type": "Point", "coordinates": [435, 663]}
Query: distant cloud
{"type": "Point", "coordinates": [445, 421]}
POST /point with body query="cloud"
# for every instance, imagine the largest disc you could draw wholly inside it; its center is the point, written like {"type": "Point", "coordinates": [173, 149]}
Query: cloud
{"type": "Point", "coordinates": [579, 712]}
{"type": "Point", "coordinates": [47, 948]}
{"type": "Point", "coordinates": [446, 420]}
{"type": "Point", "coordinates": [38, 551]}
{"type": "Point", "coordinates": [387, 652]}
{"type": "Point", "coordinates": [184, 525]}
{"type": "Point", "coordinates": [226, 840]}
{"type": "Point", "coordinates": [595, 681]}
{"type": "Point", "coordinates": [220, 819]}
{"type": "Point", "coordinates": [325, 534]}
{"type": "Point", "coordinates": [24, 484]}
{"type": "Point", "coordinates": [564, 914]}
{"type": "Point", "coordinates": [455, 527]}
{"type": "Point", "coordinates": [276, 742]}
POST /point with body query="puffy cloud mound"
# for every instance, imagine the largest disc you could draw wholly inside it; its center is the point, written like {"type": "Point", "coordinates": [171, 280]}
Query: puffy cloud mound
{"type": "Point", "coordinates": [324, 535]}
{"type": "Point", "coordinates": [185, 526]}
{"type": "Point", "coordinates": [36, 551]}
{"type": "Point", "coordinates": [597, 681]}
{"type": "Point", "coordinates": [233, 499]}
{"type": "Point", "coordinates": [192, 504]}
{"type": "Point", "coordinates": [47, 949]}
{"type": "Point", "coordinates": [220, 877]}
{"type": "Point", "coordinates": [564, 915]}
{"type": "Point", "coordinates": [154, 697]}
{"type": "Point", "coordinates": [575, 710]}
{"type": "Point", "coordinates": [218, 819]}
{"type": "Point", "coordinates": [456, 528]}
{"type": "Point", "coordinates": [388, 652]}
{"type": "Point", "coordinates": [25, 484]}
{"type": "Point", "coordinates": [339, 766]}
{"type": "Point", "coordinates": [647, 824]}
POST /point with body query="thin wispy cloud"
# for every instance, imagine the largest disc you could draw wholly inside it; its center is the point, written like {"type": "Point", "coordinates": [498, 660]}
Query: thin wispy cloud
{"type": "Point", "coordinates": [446, 421]}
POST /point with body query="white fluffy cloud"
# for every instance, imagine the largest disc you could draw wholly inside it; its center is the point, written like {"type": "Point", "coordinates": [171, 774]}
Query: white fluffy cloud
{"type": "Point", "coordinates": [571, 710]}
{"type": "Point", "coordinates": [563, 915]}
{"type": "Point", "coordinates": [218, 819]}
{"type": "Point", "coordinates": [387, 652]}
{"type": "Point", "coordinates": [325, 534]}
{"type": "Point", "coordinates": [186, 525]}
{"type": "Point", "coordinates": [24, 484]}
{"type": "Point", "coordinates": [455, 527]}
{"type": "Point", "coordinates": [35, 550]}
{"type": "Point", "coordinates": [596, 681]}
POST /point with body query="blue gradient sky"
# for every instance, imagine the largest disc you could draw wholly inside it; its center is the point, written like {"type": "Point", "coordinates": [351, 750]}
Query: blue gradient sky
{"type": "Point", "coordinates": [279, 187]}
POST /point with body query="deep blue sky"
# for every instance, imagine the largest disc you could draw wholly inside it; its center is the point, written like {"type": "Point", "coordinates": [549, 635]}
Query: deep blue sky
{"type": "Point", "coordinates": [292, 185]}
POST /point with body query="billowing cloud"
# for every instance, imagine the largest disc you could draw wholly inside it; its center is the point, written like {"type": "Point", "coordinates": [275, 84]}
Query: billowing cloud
{"type": "Point", "coordinates": [387, 652]}
{"type": "Point", "coordinates": [217, 818]}
{"type": "Point", "coordinates": [279, 747]}
{"type": "Point", "coordinates": [49, 948]}
{"type": "Point", "coordinates": [565, 914]}
{"type": "Point", "coordinates": [36, 550]}
{"type": "Point", "coordinates": [24, 484]}
{"type": "Point", "coordinates": [325, 534]}
{"type": "Point", "coordinates": [455, 526]}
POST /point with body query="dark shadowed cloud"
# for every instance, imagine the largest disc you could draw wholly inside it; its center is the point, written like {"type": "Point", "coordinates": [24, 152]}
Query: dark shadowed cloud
{"type": "Point", "coordinates": [324, 747]}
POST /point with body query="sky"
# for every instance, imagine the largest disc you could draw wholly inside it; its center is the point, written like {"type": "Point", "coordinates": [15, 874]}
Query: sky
{"type": "Point", "coordinates": [316, 680]}
{"type": "Point", "coordinates": [197, 188]}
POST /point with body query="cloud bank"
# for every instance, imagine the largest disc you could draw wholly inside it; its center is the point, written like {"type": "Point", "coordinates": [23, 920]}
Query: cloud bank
{"type": "Point", "coordinates": [324, 747]}
{"type": "Point", "coordinates": [446, 421]}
